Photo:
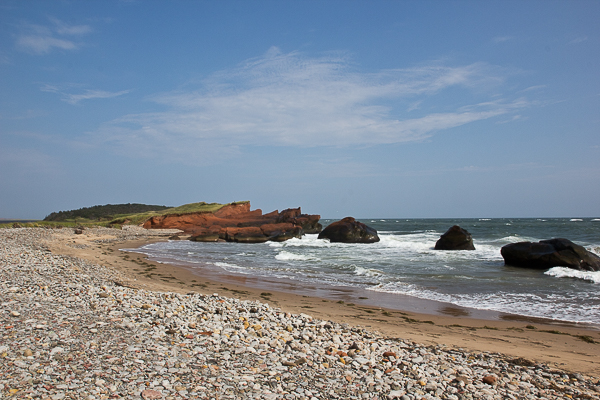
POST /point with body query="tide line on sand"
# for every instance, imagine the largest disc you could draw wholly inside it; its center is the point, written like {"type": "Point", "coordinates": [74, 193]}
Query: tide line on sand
{"type": "Point", "coordinates": [104, 338]}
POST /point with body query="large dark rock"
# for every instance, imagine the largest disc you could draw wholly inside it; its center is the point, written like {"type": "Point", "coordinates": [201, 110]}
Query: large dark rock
{"type": "Point", "coordinates": [550, 253]}
{"type": "Point", "coordinates": [349, 230]}
{"type": "Point", "coordinates": [455, 238]}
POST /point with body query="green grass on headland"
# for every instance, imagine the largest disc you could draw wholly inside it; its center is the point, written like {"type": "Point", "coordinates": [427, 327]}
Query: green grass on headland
{"type": "Point", "coordinates": [198, 207]}
{"type": "Point", "coordinates": [138, 219]}
{"type": "Point", "coordinates": [103, 213]}
{"type": "Point", "coordinates": [79, 218]}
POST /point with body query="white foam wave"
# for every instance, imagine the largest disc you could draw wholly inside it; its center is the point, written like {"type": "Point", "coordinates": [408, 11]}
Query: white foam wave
{"type": "Point", "coordinates": [416, 243]}
{"type": "Point", "coordinates": [306, 241]}
{"type": "Point", "coordinates": [287, 256]}
{"type": "Point", "coordinates": [563, 272]}
{"type": "Point", "coordinates": [515, 239]}
{"type": "Point", "coordinates": [367, 271]}
{"type": "Point", "coordinates": [485, 219]}
{"type": "Point", "coordinates": [596, 219]}
{"type": "Point", "coordinates": [514, 303]}
{"type": "Point", "coordinates": [231, 267]}
{"type": "Point", "coordinates": [575, 220]}
{"type": "Point", "coordinates": [420, 246]}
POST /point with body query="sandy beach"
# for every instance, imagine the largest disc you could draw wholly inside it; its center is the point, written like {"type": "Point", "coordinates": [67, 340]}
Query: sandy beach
{"type": "Point", "coordinates": [565, 346]}
{"type": "Point", "coordinates": [83, 320]}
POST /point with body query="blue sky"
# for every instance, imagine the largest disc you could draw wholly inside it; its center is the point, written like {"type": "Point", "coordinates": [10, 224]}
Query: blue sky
{"type": "Point", "coordinates": [345, 108]}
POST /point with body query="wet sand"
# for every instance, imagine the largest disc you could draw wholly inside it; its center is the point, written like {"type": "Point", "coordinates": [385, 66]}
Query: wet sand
{"type": "Point", "coordinates": [567, 346]}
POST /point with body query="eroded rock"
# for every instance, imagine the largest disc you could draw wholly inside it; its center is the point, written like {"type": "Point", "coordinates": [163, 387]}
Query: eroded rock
{"type": "Point", "coordinates": [237, 223]}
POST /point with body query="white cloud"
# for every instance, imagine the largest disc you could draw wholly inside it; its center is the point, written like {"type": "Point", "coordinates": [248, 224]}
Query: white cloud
{"type": "Point", "coordinates": [93, 94]}
{"type": "Point", "coordinates": [579, 39]}
{"type": "Point", "coordinates": [72, 98]}
{"type": "Point", "coordinates": [63, 29]}
{"type": "Point", "coordinates": [501, 39]}
{"type": "Point", "coordinates": [37, 39]}
{"type": "Point", "coordinates": [531, 88]}
{"type": "Point", "coordinates": [292, 100]}
{"type": "Point", "coordinates": [43, 44]}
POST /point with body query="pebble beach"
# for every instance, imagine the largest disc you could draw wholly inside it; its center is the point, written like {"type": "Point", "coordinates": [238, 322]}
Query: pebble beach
{"type": "Point", "coordinates": [74, 329]}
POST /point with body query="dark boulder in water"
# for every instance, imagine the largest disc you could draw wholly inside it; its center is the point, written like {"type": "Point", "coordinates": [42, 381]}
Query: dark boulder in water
{"type": "Point", "coordinates": [349, 230]}
{"type": "Point", "coordinates": [455, 238]}
{"type": "Point", "coordinates": [546, 254]}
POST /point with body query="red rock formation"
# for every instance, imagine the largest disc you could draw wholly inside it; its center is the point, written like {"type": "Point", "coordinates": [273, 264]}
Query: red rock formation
{"type": "Point", "coordinates": [237, 223]}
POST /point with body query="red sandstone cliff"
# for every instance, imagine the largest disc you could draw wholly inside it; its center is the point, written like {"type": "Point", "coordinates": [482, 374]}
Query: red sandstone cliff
{"type": "Point", "coordinates": [237, 223]}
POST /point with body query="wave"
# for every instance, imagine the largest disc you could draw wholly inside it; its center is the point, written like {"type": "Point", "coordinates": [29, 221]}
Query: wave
{"type": "Point", "coordinates": [563, 272]}
{"type": "Point", "coordinates": [526, 304]}
{"type": "Point", "coordinates": [575, 220]}
{"type": "Point", "coordinates": [287, 256]}
{"type": "Point", "coordinates": [514, 239]}
{"type": "Point", "coordinates": [311, 240]}
{"type": "Point", "coordinates": [367, 271]}
{"type": "Point", "coordinates": [413, 243]}
{"type": "Point", "coordinates": [231, 267]}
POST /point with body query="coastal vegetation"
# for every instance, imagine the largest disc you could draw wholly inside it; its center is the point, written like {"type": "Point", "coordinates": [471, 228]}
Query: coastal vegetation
{"type": "Point", "coordinates": [102, 213]}
{"type": "Point", "coordinates": [140, 218]}
{"type": "Point", "coordinates": [114, 215]}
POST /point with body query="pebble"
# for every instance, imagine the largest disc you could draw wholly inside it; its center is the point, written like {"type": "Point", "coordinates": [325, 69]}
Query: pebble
{"type": "Point", "coordinates": [70, 329]}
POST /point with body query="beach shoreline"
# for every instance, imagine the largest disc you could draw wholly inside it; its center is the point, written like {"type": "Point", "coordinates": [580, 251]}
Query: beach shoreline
{"type": "Point", "coordinates": [563, 345]}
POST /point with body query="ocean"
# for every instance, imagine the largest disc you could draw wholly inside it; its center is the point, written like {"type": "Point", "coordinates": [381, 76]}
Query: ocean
{"type": "Point", "coordinates": [404, 272]}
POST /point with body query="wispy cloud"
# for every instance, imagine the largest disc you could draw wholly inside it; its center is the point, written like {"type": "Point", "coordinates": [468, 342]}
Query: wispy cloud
{"type": "Point", "coordinates": [93, 94]}
{"type": "Point", "coordinates": [74, 98]}
{"type": "Point", "coordinates": [38, 39]}
{"type": "Point", "coordinates": [64, 29]}
{"type": "Point", "coordinates": [293, 100]}
{"type": "Point", "coordinates": [579, 39]}
{"type": "Point", "coordinates": [532, 88]}
{"type": "Point", "coordinates": [4, 59]}
{"type": "Point", "coordinates": [501, 39]}
{"type": "Point", "coordinates": [471, 169]}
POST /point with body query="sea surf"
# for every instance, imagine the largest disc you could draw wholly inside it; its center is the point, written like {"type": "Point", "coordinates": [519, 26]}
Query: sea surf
{"type": "Point", "coordinates": [404, 265]}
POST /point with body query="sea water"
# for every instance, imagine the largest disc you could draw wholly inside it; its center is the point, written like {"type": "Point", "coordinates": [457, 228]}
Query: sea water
{"type": "Point", "coordinates": [404, 263]}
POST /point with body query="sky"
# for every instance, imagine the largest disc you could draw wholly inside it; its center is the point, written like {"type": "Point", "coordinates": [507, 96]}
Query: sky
{"type": "Point", "coordinates": [370, 109]}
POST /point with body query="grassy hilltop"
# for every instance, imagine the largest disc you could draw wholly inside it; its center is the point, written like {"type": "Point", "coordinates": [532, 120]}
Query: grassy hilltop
{"type": "Point", "coordinates": [117, 214]}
